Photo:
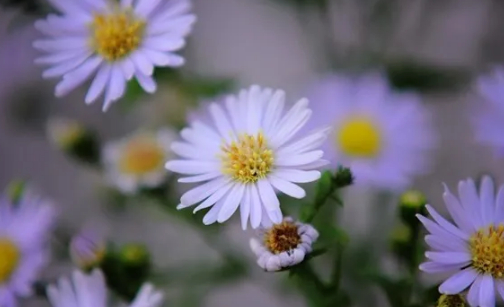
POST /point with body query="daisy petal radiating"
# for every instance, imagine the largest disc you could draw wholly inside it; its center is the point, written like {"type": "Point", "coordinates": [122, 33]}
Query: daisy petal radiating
{"type": "Point", "coordinates": [384, 136]}
{"type": "Point", "coordinates": [473, 247]}
{"type": "Point", "coordinates": [241, 153]}
{"type": "Point", "coordinates": [112, 43]}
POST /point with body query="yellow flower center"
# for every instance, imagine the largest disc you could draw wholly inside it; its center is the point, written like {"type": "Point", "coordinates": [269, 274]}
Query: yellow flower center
{"type": "Point", "coordinates": [359, 137]}
{"type": "Point", "coordinates": [116, 35]}
{"type": "Point", "coordinates": [141, 155]}
{"type": "Point", "coordinates": [9, 258]}
{"type": "Point", "coordinates": [248, 159]}
{"type": "Point", "coordinates": [282, 237]}
{"type": "Point", "coordinates": [487, 251]}
{"type": "Point", "coordinates": [451, 301]}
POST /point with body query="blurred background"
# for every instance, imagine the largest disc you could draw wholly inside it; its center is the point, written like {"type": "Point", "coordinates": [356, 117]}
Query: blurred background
{"type": "Point", "coordinates": [434, 47]}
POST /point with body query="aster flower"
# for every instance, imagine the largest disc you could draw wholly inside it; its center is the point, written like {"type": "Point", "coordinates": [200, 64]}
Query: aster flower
{"type": "Point", "coordinates": [247, 152]}
{"type": "Point", "coordinates": [488, 115]}
{"type": "Point", "coordinates": [90, 290]}
{"type": "Point", "coordinates": [24, 231]}
{"type": "Point", "coordinates": [283, 245]}
{"type": "Point", "coordinates": [472, 247]}
{"type": "Point", "coordinates": [381, 135]}
{"type": "Point", "coordinates": [137, 161]}
{"type": "Point", "coordinates": [116, 40]}
{"type": "Point", "coordinates": [87, 249]}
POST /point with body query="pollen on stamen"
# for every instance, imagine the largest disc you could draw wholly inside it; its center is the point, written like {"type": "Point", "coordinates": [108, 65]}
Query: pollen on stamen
{"type": "Point", "coordinates": [116, 35]}
{"type": "Point", "coordinates": [248, 159]}
{"type": "Point", "coordinates": [282, 237]}
{"type": "Point", "coordinates": [487, 251]}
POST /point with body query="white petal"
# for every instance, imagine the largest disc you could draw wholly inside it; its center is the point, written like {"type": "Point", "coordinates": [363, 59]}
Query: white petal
{"type": "Point", "coordinates": [215, 197]}
{"type": "Point", "coordinates": [297, 176]}
{"type": "Point", "coordinates": [164, 43]}
{"type": "Point", "coordinates": [474, 292]}
{"type": "Point", "coordinates": [268, 196]}
{"type": "Point", "coordinates": [77, 77]}
{"type": "Point", "coordinates": [458, 282]}
{"type": "Point", "coordinates": [231, 203]}
{"type": "Point", "coordinates": [449, 257]}
{"type": "Point", "coordinates": [295, 160]}
{"type": "Point", "coordinates": [487, 292]}
{"type": "Point", "coordinates": [245, 208]}
{"type": "Point", "coordinates": [142, 63]}
{"type": "Point", "coordinates": [98, 84]}
{"type": "Point", "coordinates": [146, 82]}
{"type": "Point", "coordinates": [201, 192]}
{"type": "Point", "coordinates": [255, 207]}
{"type": "Point", "coordinates": [190, 167]}
{"type": "Point", "coordinates": [487, 200]}
{"type": "Point", "coordinates": [287, 187]}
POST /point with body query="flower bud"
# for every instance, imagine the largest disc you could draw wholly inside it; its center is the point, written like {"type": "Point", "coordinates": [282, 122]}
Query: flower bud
{"type": "Point", "coordinates": [400, 240]}
{"type": "Point", "coordinates": [343, 177]}
{"type": "Point", "coordinates": [74, 139]}
{"type": "Point", "coordinates": [87, 249]}
{"type": "Point", "coordinates": [411, 203]}
{"type": "Point", "coordinates": [15, 190]}
{"type": "Point", "coordinates": [135, 257]}
{"type": "Point", "coordinates": [451, 301]}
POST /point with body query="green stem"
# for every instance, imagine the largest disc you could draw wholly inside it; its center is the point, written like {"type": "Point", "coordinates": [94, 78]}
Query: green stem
{"type": "Point", "coordinates": [310, 279]}
{"type": "Point", "coordinates": [337, 270]}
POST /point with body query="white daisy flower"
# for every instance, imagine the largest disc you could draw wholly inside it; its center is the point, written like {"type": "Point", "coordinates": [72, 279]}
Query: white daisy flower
{"type": "Point", "coordinates": [283, 245]}
{"type": "Point", "coordinates": [472, 247]}
{"type": "Point", "coordinates": [24, 252]}
{"type": "Point", "coordinates": [381, 135]}
{"type": "Point", "coordinates": [117, 40]}
{"type": "Point", "coordinates": [137, 161]}
{"type": "Point", "coordinates": [488, 115]}
{"type": "Point", "coordinates": [90, 290]}
{"type": "Point", "coordinates": [247, 152]}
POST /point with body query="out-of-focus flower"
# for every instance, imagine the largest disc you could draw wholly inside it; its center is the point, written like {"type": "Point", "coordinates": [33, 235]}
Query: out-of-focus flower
{"type": "Point", "coordinates": [451, 301]}
{"type": "Point", "coordinates": [381, 135]}
{"type": "Point", "coordinates": [138, 160]}
{"type": "Point", "coordinates": [90, 290]}
{"type": "Point", "coordinates": [24, 230]}
{"type": "Point", "coordinates": [472, 247]}
{"type": "Point", "coordinates": [248, 151]}
{"type": "Point", "coordinates": [74, 139]}
{"type": "Point", "coordinates": [87, 249]}
{"type": "Point", "coordinates": [118, 41]}
{"type": "Point", "coordinates": [488, 115]}
{"type": "Point", "coordinates": [283, 245]}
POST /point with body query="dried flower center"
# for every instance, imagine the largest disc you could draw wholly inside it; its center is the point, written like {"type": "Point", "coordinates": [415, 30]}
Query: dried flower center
{"type": "Point", "coordinates": [451, 301]}
{"type": "Point", "coordinates": [116, 35]}
{"type": "Point", "coordinates": [248, 159]}
{"type": "Point", "coordinates": [359, 137]}
{"type": "Point", "coordinates": [141, 155]}
{"type": "Point", "coordinates": [9, 258]}
{"type": "Point", "coordinates": [282, 237]}
{"type": "Point", "coordinates": [487, 251]}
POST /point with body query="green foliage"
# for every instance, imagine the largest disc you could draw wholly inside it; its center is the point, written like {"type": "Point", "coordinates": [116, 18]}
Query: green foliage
{"type": "Point", "coordinates": [409, 74]}
{"type": "Point", "coordinates": [15, 190]}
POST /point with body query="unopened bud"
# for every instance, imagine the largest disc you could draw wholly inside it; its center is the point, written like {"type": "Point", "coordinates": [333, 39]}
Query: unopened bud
{"type": "Point", "coordinates": [135, 256]}
{"type": "Point", "coordinates": [74, 139]}
{"type": "Point", "coordinates": [451, 301]}
{"type": "Point", "coordinates": [412, 202]}
{"type": "Point", "coordinates": [15, 190]}
{"type": "Point", "coordinates": [87, 249]}
{"type": "Point", "coordinates": [400, 240]}
{"type": "Point", "coordinates": [343, 177]}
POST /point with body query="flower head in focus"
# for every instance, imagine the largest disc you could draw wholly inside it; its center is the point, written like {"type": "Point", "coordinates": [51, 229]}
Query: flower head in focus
{"type": "Point", "coordinates": [248, 150]}
{"type": "Point", "coordinates": [90, 290]}
{"type": "Point", "coordinates": [24, 232]}
{"type": "Point", "coordinates": [381, 135]}
{"type": "Point", "coordinates": [113, 40]}
{"type": "Point", "coordinates": [472, 247]}
{"type": "Point", "coordinates": [87, 249]}
{"type": "Point", "coordinates": [488, 115]}
{"type": "Point", "coordinates": [283, 245]}
{"type": "Point", "coordinates": [138, 160]}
